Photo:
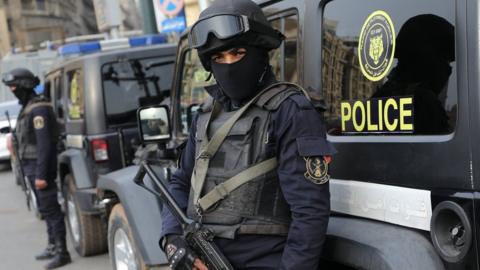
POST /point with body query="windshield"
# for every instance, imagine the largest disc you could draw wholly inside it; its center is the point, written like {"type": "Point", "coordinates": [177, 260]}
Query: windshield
{"type": "Point", "coordinates": [131, 83]}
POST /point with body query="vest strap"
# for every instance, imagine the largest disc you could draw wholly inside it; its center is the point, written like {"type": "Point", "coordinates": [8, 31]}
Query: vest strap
{"type": "Point", "coordinates": [30, 107]}
{"type": "Point", "coordinates": [224, 189]}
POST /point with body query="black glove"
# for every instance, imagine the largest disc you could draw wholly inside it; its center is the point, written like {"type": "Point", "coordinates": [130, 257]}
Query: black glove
{"type": "Point", "coordinates": [179, 255]}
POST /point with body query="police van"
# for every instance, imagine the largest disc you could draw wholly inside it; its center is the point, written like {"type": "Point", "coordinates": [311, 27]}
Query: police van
{"type": "Point", "coordinates": [397, 84]}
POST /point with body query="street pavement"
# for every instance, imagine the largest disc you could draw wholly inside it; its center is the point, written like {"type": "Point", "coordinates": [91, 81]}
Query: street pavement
{"type": "Point", "coordinates": [22, 235]}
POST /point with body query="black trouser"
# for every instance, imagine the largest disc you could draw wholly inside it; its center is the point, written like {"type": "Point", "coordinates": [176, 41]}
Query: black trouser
{"type": "Point", "coordinates": [50, 210]}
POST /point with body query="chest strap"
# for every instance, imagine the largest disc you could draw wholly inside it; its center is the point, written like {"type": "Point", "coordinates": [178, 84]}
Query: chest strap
{"type": "Point", "coordinates": [208, 150]}
{"type": "Point", "coordinates": [222, 190]}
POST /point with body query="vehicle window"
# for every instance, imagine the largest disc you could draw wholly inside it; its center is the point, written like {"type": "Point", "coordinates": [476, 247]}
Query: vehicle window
{"type": "Point", "coordinates": [283, 61]}
{"type": "Point", "coordinates": [388, 67]}
{"type": "Point", "coordinates": [47, 88]}
{"type": "Point", "coordinates": [75, 94]}
{"type": "Point", "coordinates": [192, 94]}
{"type": "Point", "coordinates": [57, 82]}
{"type": "Point", "coordinates": [132, 83]}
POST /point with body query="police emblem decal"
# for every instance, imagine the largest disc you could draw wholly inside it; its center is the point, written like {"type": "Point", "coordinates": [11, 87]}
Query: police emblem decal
{"type": "Point", "coordinates": [316, 170]}
{"type": "Point", "coordinates": [38, 122]}
{"type": "Point", "coordinates": [376, 46]}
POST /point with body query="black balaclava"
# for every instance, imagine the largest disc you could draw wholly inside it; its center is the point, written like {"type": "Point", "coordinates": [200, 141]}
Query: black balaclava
{"type": "Point", "coordinates": [24, 95]}
{"type": "Point", "coordinates": [240, 81]}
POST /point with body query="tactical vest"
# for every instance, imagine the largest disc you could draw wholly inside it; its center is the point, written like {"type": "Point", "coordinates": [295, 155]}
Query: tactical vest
{"type": "Point", "coordinates": [27, 141]}
{"type": "Point", "coordinates": [256, 206]}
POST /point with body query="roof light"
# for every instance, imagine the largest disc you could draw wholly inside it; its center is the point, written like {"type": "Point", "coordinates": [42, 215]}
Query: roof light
{"type": "Point", "coordinates": [79, 48]}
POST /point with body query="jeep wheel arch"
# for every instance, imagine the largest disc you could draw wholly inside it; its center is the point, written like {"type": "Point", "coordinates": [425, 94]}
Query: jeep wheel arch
{"type": "Point", "coordinates": [142, 209]}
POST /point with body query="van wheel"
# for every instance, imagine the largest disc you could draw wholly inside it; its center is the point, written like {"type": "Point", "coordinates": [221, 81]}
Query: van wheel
{"type": "Point", "coordinates": [87, 231]}
{"type": "Point", "coordinates": [121, 245]}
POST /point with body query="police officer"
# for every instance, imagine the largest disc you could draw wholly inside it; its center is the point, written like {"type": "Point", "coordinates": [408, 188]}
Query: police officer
{"type": "Point", "coordinates": [255, 167]}
{"type": "Point", "coordinates": [36, 131]}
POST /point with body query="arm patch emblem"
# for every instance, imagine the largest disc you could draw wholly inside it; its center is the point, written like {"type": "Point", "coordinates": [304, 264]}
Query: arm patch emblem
{"type": "Point", "coordinates": [38, 122]}
{"type": "Point", "coordinates": [316, 170]}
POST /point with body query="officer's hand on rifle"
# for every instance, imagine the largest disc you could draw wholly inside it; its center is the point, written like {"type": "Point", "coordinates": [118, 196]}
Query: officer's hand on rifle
{"type": "Point", "coordinates": [40, 184]}
{"type": "Point", "coordinates": [10, 144]}
{"type": "Point", "coordinates": [180, 256]}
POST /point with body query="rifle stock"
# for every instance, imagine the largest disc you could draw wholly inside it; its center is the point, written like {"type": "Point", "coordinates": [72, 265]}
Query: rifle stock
{"type": "Point", "coordinates": [25, 182]}
{"type": "Point", "coordinates": [199, 238]}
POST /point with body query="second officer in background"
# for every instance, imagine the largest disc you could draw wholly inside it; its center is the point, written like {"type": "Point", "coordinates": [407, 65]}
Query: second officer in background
{"type": "Point", "coordinates": [37, 135]}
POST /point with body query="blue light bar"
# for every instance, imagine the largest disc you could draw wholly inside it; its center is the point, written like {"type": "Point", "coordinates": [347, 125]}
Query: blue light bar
{"type": "Point", "coordinates": [147, 40]}
{"type": "Point", "coordinates": [79, 48]}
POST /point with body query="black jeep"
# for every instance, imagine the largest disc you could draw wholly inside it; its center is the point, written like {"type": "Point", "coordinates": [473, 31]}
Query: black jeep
{"type": "Point", "coordinates": [95, 97]}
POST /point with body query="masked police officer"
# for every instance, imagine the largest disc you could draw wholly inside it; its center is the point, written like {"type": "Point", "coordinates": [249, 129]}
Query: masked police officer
{"type": "Point", "coordinates": [36, 131]}
{"type": "Point", "coordinates": [255, 167]}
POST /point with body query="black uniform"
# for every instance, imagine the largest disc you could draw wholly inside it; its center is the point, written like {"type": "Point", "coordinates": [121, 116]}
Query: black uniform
{"type": "Point", "coordinates": [37, 135]}
{"type": "Point", "coordinates": [295, 133]}
{"type": "Point", "coordinates": [36, 127]}
{"type": "Point", "coordinates": [274, 152]}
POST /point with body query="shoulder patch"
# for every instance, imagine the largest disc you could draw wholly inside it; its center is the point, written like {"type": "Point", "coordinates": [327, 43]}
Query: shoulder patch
{"type": "Point", "coordinates": [316, 170]}
{"type": "Point", "coordinates": [38, 122]}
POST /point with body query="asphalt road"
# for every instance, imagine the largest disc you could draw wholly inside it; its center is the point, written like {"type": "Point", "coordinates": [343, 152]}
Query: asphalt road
{"type": "Point", "coordinates": [22, 235]}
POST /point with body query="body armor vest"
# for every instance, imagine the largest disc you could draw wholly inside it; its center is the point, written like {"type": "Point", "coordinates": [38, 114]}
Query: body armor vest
{"type": "Point", "coordinates": [258, 206]}
{"type": "Point", "coordinates": [27, 141]}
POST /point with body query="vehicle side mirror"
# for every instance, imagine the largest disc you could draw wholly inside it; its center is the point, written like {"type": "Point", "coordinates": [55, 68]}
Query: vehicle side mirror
{"type": "Point", "coordinates": [154, 124]}
{"type": "Point", "coordinates": [5, 130]}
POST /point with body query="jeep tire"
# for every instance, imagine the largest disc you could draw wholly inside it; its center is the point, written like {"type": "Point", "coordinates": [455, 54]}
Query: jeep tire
{"type": "Point", "coordinates": [87, 231]}
{"type": "Point", "coordinates": [121, 245]}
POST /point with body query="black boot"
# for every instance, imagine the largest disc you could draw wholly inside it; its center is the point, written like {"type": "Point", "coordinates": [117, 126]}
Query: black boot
{"type": "Point", "coordinates": [62, 257]}
{"type": "Point", "coordinates": [48, 253]}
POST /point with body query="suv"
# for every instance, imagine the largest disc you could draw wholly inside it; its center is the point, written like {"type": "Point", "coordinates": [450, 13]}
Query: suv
{"type": "Point", "coordinates": [95, 97]}
{"type": "Point", "coordinates": [398, 88]}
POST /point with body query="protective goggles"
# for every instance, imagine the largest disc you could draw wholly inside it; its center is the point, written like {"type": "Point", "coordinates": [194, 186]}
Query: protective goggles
{"type": "Point", "coordinates": [8, 78]}
{"type": "Point", "coordinates": [224, 27]}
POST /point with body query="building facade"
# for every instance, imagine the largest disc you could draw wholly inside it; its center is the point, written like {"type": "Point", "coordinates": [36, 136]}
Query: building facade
{"type": "Point", "coordinates": [25, 24]}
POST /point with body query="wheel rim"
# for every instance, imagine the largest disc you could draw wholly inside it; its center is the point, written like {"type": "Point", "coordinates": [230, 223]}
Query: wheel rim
{"type": "Point", "coordinates": [123, 251]}
{"type": "Point", "coordinates": [73, 220]}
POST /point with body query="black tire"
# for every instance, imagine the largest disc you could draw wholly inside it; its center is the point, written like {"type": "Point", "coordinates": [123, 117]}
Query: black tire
{"type": "Point", "coordinates": [88, 233]}
{"type": "Point", "coordinates": [118, 227]}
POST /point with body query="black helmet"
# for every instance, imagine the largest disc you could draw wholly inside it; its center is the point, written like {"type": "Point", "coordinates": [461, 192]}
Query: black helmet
{"type": "Point", "coordinates": [20, 77]}
{"type": "Point", "coordinates": [227, 23]}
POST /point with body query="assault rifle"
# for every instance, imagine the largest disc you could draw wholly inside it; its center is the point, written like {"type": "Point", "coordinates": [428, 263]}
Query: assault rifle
{"type": "Point", "coordinates": [25, 182]}
{"type": "Point", "coordinates": [199, 238]}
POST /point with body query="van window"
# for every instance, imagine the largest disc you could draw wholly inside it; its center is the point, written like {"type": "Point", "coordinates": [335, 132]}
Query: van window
{"type": "Point", "coordinates": [388, 67]}
{"type": "Point", "coordinates": [57, 84]}
{"type": "Point", "coordinates": [283, 61]}
{"type": "Point", "coordinates": [132, 83]}
{"type": "Point", "coordinates": [75, 94]}
{"type": "Point", "coordinates": [192, 93]}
